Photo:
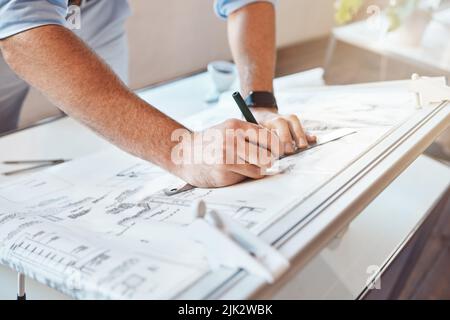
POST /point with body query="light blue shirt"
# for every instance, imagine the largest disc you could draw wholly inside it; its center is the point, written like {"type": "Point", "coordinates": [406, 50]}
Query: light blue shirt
{"type": "Point", "coordinates": [20, 15]}
{"type": "Point", "coordinates": [224, 8]}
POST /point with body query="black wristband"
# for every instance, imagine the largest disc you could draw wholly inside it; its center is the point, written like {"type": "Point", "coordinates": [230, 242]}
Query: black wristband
{"type": "Point", "coordinates": [261, 99]}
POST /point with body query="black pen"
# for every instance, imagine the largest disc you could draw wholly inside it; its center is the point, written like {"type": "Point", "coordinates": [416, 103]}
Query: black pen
{"type": "Point", "coordinates": [244, 108]}
{"type": "Point", "coordinates": [56, 161]}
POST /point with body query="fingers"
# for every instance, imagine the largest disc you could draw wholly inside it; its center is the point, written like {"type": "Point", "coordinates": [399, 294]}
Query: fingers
{"type": "Point", "coordinates": [253, 154]}
{"type": "Point", "coordinates": [256, 135]}
{"type": "Point", "coordinates": [266, 139]}
{"type": "Point", "coordinates": [291, 133]}
{"type": "Point", "coordinates": [302, 138]}
{"type": "Point", "coordinates": [263, 146]}
{"type": "Point", "coordinates": [246, 170]}
{"type": "Point", "coordinates": [311, 138]}
{"type": "Point", "coordinates": [281, 127]}
{"type": "Point", "coordinates": [298, 132]}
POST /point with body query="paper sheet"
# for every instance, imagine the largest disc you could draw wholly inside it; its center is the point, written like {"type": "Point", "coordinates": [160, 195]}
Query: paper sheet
{"type": "Point", "coordinates": [101, 226]}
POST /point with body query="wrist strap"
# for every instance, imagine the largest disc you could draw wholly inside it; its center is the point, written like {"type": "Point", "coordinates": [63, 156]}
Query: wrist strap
{"type": "Point", "coordinates": [261, 99]}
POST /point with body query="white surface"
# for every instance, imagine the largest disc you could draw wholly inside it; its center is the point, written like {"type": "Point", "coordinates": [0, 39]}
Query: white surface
{"type": "Point", "coordinates": [331, 208]}
{"type": "Point", "coordinates": [230, 245]}
{"type": "Point", "coordinates": [342, 269]}
{"type": "Point", "coordinates": [48, 133]}
{"type": "Point", "coordinates": [112, 196]}
{"type": "Point", "coordinates": [361, 34]}
{"type": "Point", "coordinates": [65, 138]}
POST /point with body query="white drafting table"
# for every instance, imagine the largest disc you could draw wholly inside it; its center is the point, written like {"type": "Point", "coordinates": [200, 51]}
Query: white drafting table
{"type": "Point", "coordinates": [339, 270]}
{"type": "Point", "coordinates": [360, 35]}
{"type": "Point", "coordinates": [337, 203]}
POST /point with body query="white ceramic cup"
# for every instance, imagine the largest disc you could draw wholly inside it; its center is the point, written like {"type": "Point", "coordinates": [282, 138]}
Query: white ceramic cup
{"type": "Point", "coordinates": [223, 75]}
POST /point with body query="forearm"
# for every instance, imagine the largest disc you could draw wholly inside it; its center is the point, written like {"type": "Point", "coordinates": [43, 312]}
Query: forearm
{"type": "Point", "coordinates": [251, 33]}
{"type": "Point", "coordinates": [56, 62]}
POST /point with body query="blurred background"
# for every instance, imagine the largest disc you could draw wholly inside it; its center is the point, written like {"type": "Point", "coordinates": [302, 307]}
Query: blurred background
{"type": "Point", "coordinates": [304, 30]}
{"type": "Point", "coordinates": [167, 55]}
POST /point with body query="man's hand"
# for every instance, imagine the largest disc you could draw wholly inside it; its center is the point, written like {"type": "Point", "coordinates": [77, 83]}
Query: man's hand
{"type": "Point", "coordinates": [86, 88]}
{"type": "Point", "coordinates": [288, 128]}
{"type": "Point", "coordinates": [225, 154]}
{"type": "Point", "coordinates": [251, 31]}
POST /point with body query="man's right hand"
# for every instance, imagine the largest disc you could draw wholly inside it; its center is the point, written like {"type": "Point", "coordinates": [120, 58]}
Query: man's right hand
{"type": "Point", "coordinates": [92, 93]}
{"type": "Point", "coordinates": [225, 154]}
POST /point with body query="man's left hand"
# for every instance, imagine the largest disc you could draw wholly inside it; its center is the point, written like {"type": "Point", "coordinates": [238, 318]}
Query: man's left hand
{"type": "Point", "coordinates": [288, 127]}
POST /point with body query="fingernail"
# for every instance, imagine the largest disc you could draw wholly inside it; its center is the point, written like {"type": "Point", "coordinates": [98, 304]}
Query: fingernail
{"type": "Point", "coordinates": [312, 138]}
{"type": "Point", "coordinates": [288, 147]}
{"type": "Point", "coordinates": [303, 143]}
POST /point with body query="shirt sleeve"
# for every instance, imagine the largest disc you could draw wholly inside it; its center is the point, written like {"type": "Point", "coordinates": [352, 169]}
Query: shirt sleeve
{"type": "Point", "coordinates": [224, 8]}
{"type": "Point", "coordinates": [21, 15]}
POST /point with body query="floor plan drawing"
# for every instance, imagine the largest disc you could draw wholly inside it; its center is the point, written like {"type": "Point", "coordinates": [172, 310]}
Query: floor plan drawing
{"type": "Point", "coordinates": [102, 227]}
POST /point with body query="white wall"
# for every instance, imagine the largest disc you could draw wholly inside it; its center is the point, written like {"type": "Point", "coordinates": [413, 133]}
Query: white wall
{"type": "Point", "coordinates": [300, 20]}
{"type": "Point", "coordinates": [188, 34]}
{"type": "Point", "coordinates": [170, 38]}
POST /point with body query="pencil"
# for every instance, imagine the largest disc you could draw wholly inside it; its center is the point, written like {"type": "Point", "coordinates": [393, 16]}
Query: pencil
{"type": "Point", "coordinates": [244, 108]}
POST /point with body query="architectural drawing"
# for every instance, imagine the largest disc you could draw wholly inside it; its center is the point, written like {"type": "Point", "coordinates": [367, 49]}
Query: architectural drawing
{"type": "Point", "coordinates": [102, 227]}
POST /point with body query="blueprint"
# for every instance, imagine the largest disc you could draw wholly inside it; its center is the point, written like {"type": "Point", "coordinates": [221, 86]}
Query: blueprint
{"type": "Point", "coordinates": [102, 227]}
